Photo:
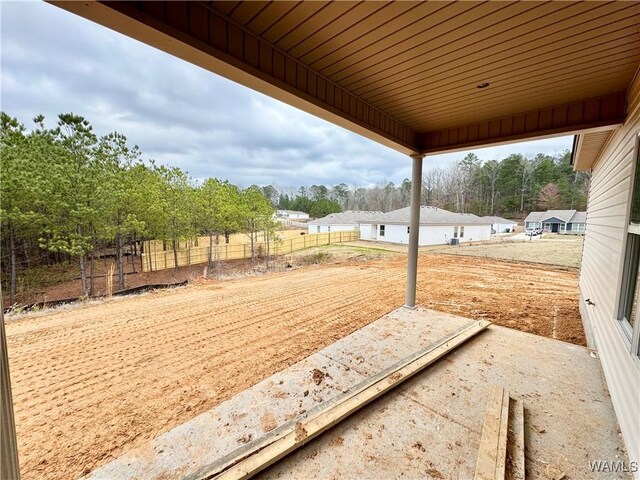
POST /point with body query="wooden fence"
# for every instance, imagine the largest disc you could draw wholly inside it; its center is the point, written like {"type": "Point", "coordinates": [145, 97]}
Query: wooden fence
{"type": "Point", "coordinates": [163, 259]}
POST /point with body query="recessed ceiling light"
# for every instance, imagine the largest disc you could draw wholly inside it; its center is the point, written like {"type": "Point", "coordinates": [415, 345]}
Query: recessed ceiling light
{"type": "Point", "coordinates": [483, 85]}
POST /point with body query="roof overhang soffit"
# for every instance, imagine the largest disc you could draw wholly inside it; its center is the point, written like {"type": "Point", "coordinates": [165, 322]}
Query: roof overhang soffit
{"type": "Point", "coordinates": [202, 35]}
{"type": "Point", "coordinates": [593, 114]}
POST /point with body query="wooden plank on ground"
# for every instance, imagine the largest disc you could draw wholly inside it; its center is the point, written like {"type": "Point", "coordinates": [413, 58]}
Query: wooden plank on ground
{"type": "Point", "coordinates": [255, 457]}
{"type": "Point", "coordinates": [493, 443]}
{"type": "Point", "coordinates": [515, 441]}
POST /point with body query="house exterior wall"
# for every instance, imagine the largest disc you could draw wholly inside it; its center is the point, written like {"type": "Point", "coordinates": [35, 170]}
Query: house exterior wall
{"type": "Point", "coordinates": [330, 228]}
{"type": "Point", "coordinates": [601, 270]}
{"type": "Point", "coordinates": [569, 228]}
{"type": "Point", "coordinates": [503, 227]}
{"type": "Point", "coordinates": [560, 226]}
{"type": "Point", "coordinates": [429, 234]}
{"type": "Point", "coordinates": [289, 215]}
{"type": "Point", "coordinates": [366, 231]}
{"type": "Point", "coordinates": [576, 228]}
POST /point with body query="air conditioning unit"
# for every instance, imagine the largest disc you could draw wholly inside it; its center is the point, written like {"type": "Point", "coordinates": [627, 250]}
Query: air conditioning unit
{"type": "Point", "coordinates": [454, 241]}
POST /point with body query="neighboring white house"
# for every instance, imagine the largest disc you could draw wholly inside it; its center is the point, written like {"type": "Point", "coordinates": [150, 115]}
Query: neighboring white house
{"type": "Point", "coordinates": [501, 225]}
{"type": "Point", "coordinates": [558, 221]}
{"type": "Point", "coordinates": [291, 214]}
{"type": "Point", "coordinates": [340, 222]}
{"type": "Point", "coordinates": [437, 227]}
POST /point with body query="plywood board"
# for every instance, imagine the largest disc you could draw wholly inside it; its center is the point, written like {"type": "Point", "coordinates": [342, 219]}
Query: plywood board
{"type": "Point", "coordinates": [493, 444]}
{"type": "Point", "coordinates": [253, 458]}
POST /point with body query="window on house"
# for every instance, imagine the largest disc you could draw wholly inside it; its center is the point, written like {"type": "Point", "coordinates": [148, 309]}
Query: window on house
{"type": "Point", "coordinates": [629, 296]}
{"type": "Point", "coordinates": [382, 230]}
{"type": "Point", "coordinates": [635, 200]}
{"type": "Point", "coordinates": [630, 286]}
{"type": "Point", "coordinates": [461, 232]}
{"type": "Point", "coordinates": [455, 232]}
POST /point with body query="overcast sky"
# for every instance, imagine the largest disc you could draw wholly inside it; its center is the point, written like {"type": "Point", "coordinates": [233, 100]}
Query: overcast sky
{"type": "Point", "coordinates": [180, 114]}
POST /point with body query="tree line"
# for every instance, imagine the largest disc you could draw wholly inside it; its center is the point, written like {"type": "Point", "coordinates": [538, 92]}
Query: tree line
{"type": "Point", "coordinates": [69, 195]}
{"type": "Point", "coordinates": [510, 187]}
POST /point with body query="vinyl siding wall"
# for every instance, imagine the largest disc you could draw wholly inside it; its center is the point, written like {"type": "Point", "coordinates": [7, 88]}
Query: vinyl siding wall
{"type": "Point", "coordinates": [601, 271]}
{"type": "Point", "coordinates": [429, 234]}
{"type": "Point", "coordinates": [331, 228]}
{"type": "Point", "coordinates": [504, 227]}
{"type": "Point", "coordinates": [367, 231]}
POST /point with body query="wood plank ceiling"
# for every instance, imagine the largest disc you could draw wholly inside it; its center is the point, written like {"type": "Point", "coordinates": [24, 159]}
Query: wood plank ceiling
{"type": "Point", "coordinates": [409, 72]}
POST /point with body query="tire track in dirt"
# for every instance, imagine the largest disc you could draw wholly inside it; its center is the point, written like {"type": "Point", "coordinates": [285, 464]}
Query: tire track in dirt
{"type": "Point", "coordinates": [92, 381]}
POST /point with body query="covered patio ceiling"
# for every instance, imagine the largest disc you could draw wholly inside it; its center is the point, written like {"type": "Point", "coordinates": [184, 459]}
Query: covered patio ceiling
{"type": "Point", "coordinates": [420, 77]}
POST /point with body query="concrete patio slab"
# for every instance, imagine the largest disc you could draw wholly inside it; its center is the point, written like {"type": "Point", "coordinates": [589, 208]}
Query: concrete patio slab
{"type": "Point", "coordinates": [429, 427]}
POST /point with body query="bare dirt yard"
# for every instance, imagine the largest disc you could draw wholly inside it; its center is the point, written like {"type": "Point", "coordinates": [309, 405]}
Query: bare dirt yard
{"type": "Point", "coordinates": [550, 249]}
{"type": "Point", "coordinates": [92, 380]}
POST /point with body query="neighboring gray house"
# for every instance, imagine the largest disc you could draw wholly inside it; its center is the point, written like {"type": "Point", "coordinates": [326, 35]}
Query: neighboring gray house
{"type": "Point", "coordinates": [500, 225]}
{"type": "Point", "coordinates": [437, 227]}
{"type": "Point", "coordinates": [339, 222]}
{"type": "Point", "coordinates": [558, 221]}
{"type": "Point", "coordinates": [534, 220]}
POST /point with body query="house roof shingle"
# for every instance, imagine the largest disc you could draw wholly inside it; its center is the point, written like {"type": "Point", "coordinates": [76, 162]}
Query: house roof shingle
{"type": "Point", "coordinates": [535, 217]}
{"type": "Point", "coordinates": [579, 217]}
{"type": "Point", "coordinates": [348, 217]}
{"type": "Point", "coordinates": [428, 216]}
{"type": "Point", "coordinates": [564, 215]}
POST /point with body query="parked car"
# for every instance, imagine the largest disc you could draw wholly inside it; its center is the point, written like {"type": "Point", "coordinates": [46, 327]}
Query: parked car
{"type": "Point", "coordinates": [531, 232]}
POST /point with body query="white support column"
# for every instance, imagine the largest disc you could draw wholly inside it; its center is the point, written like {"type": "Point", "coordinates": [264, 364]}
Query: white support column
{"type": "Point", "coordinates": [414, 230]}
{"type": "Point", "coordinates": [8, 444]}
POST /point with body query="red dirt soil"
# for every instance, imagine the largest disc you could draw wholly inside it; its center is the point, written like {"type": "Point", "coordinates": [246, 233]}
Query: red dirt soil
{"type": "Point", "coordinates": [94, 380]}
{"type": "Point", "coordinates": [73, 288]}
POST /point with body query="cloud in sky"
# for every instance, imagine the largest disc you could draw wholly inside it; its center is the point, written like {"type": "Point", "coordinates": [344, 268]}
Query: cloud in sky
{"type": "Point", "coordinates": [180, 114]}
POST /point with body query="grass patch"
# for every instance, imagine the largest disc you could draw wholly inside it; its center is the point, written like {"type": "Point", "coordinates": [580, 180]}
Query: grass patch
{"type": "Point", "coordinates": [313, 259]}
